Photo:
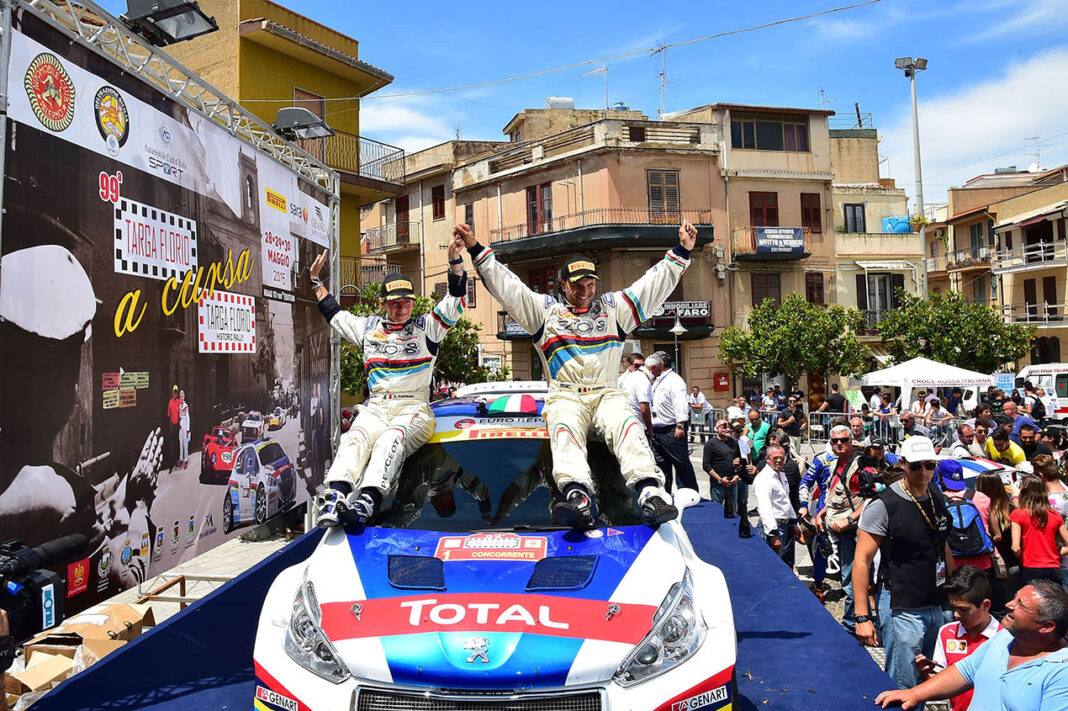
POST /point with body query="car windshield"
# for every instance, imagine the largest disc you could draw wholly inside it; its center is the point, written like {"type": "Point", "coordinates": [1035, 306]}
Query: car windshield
{"type": "Point", "coordinates": [253, 416]}
{"type": "Point", "coordinates": [498, 484]}
{"type": "Point", "coordinates": [271, 453]}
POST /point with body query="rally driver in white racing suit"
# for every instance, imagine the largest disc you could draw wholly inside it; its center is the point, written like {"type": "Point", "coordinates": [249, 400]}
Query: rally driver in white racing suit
{"type": "Point", "coordinates": [580, 343]}
{"type": "Point", "coordinates": [398, 357]}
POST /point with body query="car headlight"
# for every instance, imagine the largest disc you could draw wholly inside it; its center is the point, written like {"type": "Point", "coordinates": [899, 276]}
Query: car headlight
{"type": "Point", "coordinates": [678, 631]}
{"type": "Point", "coordinates": [307, 644]}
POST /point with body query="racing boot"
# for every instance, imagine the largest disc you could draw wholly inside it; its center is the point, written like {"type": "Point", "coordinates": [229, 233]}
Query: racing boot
{"type": "Point", "coordinates": [656, 506]}
{"type": "Point", "coordinates": [363, 507]}
{"type": "Point", "coordinates": [575, 509]}
{"type": "Point", "coordinates": [331, 504]}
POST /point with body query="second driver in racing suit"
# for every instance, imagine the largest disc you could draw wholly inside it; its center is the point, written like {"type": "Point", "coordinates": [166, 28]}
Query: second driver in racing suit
{"type": "Point", "coordinates": [398, 356]}
{"type": "Point", "coordinates": [580, 343]}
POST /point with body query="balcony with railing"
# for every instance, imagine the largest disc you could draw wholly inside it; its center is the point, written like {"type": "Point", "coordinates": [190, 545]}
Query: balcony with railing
{"type": "Point", "coordinates": [393, 237]}
{"type": "Point", "coordinates": [1038, 255]}
{"type": "Point", "coordinates": [362, 162]}
{"type": "Point", "coordinates": [770, 243]}
{"type": "Point", "coordinates": [1044, 315]}
{"type": "Point", "coordinates": [600, 228]}
{"type": "Point", "coordinates": [871, 320]}
{"type": "Point", "coordinates": [973, 257]}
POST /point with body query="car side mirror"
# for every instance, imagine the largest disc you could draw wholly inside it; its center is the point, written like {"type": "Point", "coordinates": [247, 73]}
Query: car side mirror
{"type": "Point", "coordinates": [685, 498]}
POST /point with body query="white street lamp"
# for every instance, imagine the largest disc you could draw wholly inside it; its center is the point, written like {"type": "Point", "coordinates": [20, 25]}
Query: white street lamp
{"type": "Point", "coordinates": [910, 66]}
{"type": "Point", "coordinates": [677, 330]}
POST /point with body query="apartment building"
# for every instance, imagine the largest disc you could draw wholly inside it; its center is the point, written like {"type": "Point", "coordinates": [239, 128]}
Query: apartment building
{"type": "Point", "coordinates": [759, 182]}
{"type": "Point", "coordinates": [268, 57]}
{"type": "Point", "coordinates": [1031, 266]}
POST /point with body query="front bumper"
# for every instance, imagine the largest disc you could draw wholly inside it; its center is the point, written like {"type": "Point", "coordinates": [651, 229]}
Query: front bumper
{"type": "Point", "coordinates": [703, 681]}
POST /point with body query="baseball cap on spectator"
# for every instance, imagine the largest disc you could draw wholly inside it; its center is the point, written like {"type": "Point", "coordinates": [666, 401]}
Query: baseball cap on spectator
{"type": "Point", "coordinates": [952, 475]}
{"type": "Point", "coordinates": [877, 442]}
{"type": "Point", "coordinates": [918, 449]}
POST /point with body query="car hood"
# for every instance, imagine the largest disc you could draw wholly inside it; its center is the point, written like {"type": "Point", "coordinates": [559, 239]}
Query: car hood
{"type": "Point", "coordinates": [493, 610]}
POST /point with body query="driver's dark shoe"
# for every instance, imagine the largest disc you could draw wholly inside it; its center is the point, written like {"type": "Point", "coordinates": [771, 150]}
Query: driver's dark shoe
{"type": "Point", "coordinates": [655, 506]}
{"type": "Point", "coordinates": [575, 510]}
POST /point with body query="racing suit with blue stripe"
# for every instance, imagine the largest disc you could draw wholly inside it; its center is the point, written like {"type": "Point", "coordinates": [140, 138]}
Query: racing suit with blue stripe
{"type": "Point", "coordinates": [399, 361]}
{"type": "Point", "coordinates": [581, 350]}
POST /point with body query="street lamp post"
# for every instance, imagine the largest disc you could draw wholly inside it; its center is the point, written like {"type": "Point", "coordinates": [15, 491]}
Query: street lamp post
{"type": "Point", "coordinates": [910, 66]}
{"type": "Point", "coordinates": [677, 330]}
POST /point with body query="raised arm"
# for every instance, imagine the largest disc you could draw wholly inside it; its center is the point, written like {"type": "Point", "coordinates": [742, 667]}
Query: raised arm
{"type": "Point", "coordinates": [638, 302]}
{"type": "Point", "coordinates": [350, 327]}
{"type": "Point", "coordinates": [451, 306]}
{"type": "Point", "coordinates": [526, 306]}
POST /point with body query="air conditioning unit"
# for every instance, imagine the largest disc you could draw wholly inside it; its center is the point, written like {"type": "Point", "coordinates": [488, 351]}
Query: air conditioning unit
{"type": "Point", "coordinates": [631, 346]}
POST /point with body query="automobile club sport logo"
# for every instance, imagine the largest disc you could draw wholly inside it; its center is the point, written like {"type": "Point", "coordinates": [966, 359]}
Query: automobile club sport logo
{"type": "Point", "coordinates": [51, 91]}
{"type": "Point", "coordinates": [112, 118]}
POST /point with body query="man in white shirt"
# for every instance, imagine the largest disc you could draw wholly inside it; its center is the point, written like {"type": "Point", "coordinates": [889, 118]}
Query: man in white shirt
{"type": "Point", "coordinates": [778, 520]}
{"type": "Point", "coordinates": [671, 414]}
{"type": "Point", "coordinates": [700, 411]}
{"type": "Point", "coordinates": [635, 383]}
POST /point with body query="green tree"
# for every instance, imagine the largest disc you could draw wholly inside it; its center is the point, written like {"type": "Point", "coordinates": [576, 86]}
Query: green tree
{"type": "Point", "coordinates": [948, 329]}
{"type": "Point", "coordinates": [796, 337]}
{"type": "Point", "coordinates": [457, 356]}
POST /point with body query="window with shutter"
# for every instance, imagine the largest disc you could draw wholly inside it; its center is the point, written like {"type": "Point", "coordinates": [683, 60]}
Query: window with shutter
{"type": "Point", "coordinates": [440, 289]}
{"type": "Point", "coordinates": [663, 192]}
{"type": "Point", "coordinates": [810, 212]}
{"type": "Point", "coordinates": [763, 209]}
{"type": "Point", "coordinates": [469, 216]}
{"type": "Point", "coordinates": [437, 200]}
{"type": "Point", "coordinates": [765, 285]}
{"type": "Point", "coordinates": [854, 218]}
{"type": "Point", "coordinates": [814, 288]}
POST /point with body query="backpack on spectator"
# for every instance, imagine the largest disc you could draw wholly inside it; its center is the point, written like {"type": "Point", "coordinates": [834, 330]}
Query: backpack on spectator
{"type": "Point", "coordinates": [1038, 410]}
{"type": "Point", "coordinates": [967, 534]}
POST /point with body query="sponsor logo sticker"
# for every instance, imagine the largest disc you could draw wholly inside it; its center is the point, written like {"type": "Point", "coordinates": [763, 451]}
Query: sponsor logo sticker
{"type": "Point", "coordinates": [276, 200]}
{"type": "Point", "coordinates": [491, 546]}
{"type": "Point", "coordinates": [399, 284]}
{"type": "Point", "coordinates": [77, 577]}
{"type": "Point", "coordinates": [112, 118]}
{"type": "Point", "coordinates": [576, 266]}
{"type": "Point", "coordinates": [51, 91]}
{"type": "Point", "coordinates": [48, 606]}
{"type": "Point", "coordinates": [702, 700]}
{"type": "Point", "coordinates": [281, 701]}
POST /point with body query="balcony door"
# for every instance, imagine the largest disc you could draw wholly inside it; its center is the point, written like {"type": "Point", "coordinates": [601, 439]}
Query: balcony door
{"type": "Point", "coordinates": [539, 209]}
{"type": "Point", "coordinates": [401, 219]}
{"type": "Point", "coordinates": [663, 191]}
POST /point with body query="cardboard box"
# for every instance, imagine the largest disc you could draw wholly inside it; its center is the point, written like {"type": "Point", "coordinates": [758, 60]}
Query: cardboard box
{"type": "Point", "coordinates": [110, 622]}
{"type": "Point", "coordinates": [40, 674]}
{"type": "Point", "coordinates": [94, 649]}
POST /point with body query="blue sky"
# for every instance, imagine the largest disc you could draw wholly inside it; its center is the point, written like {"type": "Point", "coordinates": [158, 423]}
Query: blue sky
{"type": "Point", "coordinates": [996, 73]}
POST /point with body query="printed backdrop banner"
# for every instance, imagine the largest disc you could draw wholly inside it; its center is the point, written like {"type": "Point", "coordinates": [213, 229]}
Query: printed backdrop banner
{"type": "Point", "coordinates": [164, 370]}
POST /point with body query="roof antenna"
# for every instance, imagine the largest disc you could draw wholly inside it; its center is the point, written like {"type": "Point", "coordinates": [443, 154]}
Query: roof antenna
{"type": "Point", "coordinates": [662, 51]}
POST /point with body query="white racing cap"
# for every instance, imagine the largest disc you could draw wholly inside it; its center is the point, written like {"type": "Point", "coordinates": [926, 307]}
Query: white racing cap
{"type": "Point", "coordinates": [45, 290]}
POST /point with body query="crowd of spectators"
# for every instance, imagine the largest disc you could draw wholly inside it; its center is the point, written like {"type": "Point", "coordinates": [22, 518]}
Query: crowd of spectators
{"type": "Point", "coordinates": [961, 575]}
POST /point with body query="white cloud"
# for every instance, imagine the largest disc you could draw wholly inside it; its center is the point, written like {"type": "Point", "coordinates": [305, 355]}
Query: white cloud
{"type": "Point", "coordinates": [1035, 17]}
{"type": "Point", "coordinates": [399, 117]}
{"type": "Point", "coordinates": [981, 127]}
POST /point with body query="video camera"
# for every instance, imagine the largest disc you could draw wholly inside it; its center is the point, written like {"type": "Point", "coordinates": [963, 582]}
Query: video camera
{"type": "Point", "coordinates": [31, 594]}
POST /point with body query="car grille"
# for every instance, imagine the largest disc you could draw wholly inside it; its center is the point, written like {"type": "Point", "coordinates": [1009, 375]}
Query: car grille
{"type": "Point", "coordinates": [380, 700]}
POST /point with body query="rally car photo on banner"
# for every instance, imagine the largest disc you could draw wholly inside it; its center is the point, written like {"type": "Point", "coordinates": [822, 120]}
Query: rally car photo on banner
{"type": "Point", "coordinates": [464, 594]}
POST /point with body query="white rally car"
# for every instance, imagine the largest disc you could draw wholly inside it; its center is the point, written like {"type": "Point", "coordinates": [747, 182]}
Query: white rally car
{"type": "Point", "coordinates": [464, 594]}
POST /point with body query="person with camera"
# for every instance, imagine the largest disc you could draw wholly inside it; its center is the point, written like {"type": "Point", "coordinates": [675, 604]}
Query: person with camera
{"type": "Point", "coordinates": [909, 520]}
{"type": "Point", "coordinates": [842, 508]}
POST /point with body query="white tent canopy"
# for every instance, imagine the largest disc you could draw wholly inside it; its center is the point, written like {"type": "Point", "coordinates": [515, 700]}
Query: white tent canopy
{"type": "Point", "coordinates": [925, 373]}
